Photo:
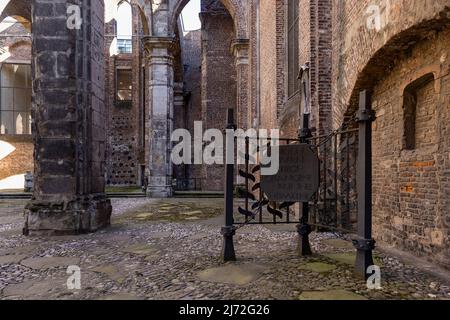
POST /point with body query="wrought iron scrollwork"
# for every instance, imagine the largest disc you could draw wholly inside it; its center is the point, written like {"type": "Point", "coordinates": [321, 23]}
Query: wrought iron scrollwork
{"type": "Point", "coordinates": [262, 201]}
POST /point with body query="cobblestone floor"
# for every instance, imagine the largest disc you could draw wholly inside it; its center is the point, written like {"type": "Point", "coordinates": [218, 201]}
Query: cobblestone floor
{"type": "Point", "coordinates": [170, 249]}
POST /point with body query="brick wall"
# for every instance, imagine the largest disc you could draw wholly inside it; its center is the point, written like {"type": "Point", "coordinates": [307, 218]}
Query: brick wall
{"type": "Point", "coordinates": [412, 187]}
{"type": "Point", "coordinates": [268, 64]}
{"type": "Point", "coordinates": [315, 47]}
{"type": "Point", "coordinates": [125, 149]}
{"type": "Point", "coordinates": [191, 57]}
{"type": "Point", "coordinates": [355, 45]}
{"type": "Point", "coordinates": [219, 90]}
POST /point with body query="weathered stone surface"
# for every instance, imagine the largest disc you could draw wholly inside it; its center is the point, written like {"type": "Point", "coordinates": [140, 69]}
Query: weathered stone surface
{"type": "Point", "coordinates": [318, 267]}
{"type": "Point", "coordinates": [330, 295]}
{"type": "Point", "coordinates": [67, 217]}
{"type": "Point", "coordinates": [349, 258]}
{"type": "Point", "coordinates": [192, 213]}
{"type": "Point", "coordinates": [198, 236]}
{"type": "Point", "coordinates": [339, 243]}
{"type": "Point", "coordinates": [108, 272]}
{"type": "Point", "coordinates": [160, 234]}
{"type": "Point", "coordinates": [68, 195]}
{"type": "Point", "coordinates": [28, 249]}
{"type": "Point", "coordinates": [11, 258]}
{"type": "Point", "coordinates": [232, 274]}
{"type": "Point", "coordinates": [111, 271]}
{"type": "Point", "coordinates": [50, 262]}
{"type": "Point", "coordinates": [35, 289]}
{"type": "Point", "coordinates": [141, 249]}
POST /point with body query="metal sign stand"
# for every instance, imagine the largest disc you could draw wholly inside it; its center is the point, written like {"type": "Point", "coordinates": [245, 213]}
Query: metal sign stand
{"type": "Point", "coordinates": [304, 229]}
{"type": "Point", "coordinates": [364, 244]}
{"type": "Point", "coordinates": [228, 231]}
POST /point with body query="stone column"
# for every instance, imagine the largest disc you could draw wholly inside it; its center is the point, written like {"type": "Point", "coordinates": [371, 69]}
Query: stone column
{"type": "Point", "coordinates": [239, 49]}
{"type": "Point", "coordinates": [160, 62]}
{"type": "Point", "coordinates": [68, 121]}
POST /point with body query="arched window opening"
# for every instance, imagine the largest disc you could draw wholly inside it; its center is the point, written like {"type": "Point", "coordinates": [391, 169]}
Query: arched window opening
{"type": "Point", "coordinates": [124, 31]}
{"type": "Point", "coordinates": [189, 17]}
{"type": "Point", "coordinates": [15, 98]}
{"type": "Point", "coordinates": [418, 113]}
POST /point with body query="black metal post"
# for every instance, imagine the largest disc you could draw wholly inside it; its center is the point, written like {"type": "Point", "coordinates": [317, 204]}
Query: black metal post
{"type": "Point", "coordinates": [228, 231]}
{"type": "Point", "coordinates": [364, 244]}
{"type": "Point", "coordinates": [304, 229]}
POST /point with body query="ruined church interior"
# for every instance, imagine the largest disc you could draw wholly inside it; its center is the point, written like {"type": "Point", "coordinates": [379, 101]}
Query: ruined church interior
{"type": "Point", "coordinates": [96, 94]}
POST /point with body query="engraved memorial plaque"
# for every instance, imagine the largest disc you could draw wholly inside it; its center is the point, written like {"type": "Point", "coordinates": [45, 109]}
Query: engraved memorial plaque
{"type": "Point", "coordinates": [297, 179]}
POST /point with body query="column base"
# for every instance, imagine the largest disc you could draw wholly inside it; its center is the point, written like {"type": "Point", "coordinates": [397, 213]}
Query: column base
{"type": "Point", "coordinates": [83, 215]}
{"type": "Point", "coordinates": [364, 258]}
{"type": "Point", "coordinates": [304, 246]}
{"type": "Point", "coordinates": [160, 192]}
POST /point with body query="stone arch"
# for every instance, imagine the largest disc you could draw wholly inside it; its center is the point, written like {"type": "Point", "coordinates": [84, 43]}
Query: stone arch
{"type": "Point", "coordinates": [385, 58]}
{"type": "Point", "coordinates": [236, 8]}
{"type": "Point", "coordinates": [369, 54]}
{"type": "Point", "coordinates": [17, 9]}
{"type": "Point", "coordinates": [144, 7]}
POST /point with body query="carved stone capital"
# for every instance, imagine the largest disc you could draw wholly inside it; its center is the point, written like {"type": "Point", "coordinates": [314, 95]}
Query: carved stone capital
{"type": "Point", "coordinates": [152, 44]}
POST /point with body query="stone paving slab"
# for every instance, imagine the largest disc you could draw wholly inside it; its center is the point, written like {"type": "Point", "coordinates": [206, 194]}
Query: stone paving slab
{"type": "Point", "coordinates": [349, 258]}
{"type": "Point", "coordinates": [111, 271]}
{"type": "Point", "coordinates": [36, 289]}
{"type": "Point", "coordinates": [141, 249]}
{"type": "Point", "coordinates": [28, 249]}
{"type": "Point", "coordinates": [339, 243]}
{"type": "Point", "coordinates": [232, 274]}
{"type": "Point", "coordinates": [11, 258]}
{"type": "Point", "coordinates": [49, 262]}
{"type": "Point", "coordinates": [318, 267]}
{"type": "Point", "coordinates": [330, 295]}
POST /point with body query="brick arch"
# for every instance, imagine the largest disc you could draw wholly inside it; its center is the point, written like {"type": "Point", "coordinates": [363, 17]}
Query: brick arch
{"type": "Point", "coordinates": [368, 55]}
{"type": "Point", "coordinates": [236, 8]}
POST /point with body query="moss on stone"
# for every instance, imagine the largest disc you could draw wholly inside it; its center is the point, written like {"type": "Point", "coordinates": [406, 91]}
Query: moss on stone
{"type": "Point", "coordinates": [318, 267]}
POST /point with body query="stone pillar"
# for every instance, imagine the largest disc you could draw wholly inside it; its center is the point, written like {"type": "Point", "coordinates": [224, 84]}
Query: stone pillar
{"type": "Point", "coordinates": [68, 121]}
{"type": "Point", "coordinates": [160, 62]}
{"type": "Point", "coordinates": [239, 49]}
